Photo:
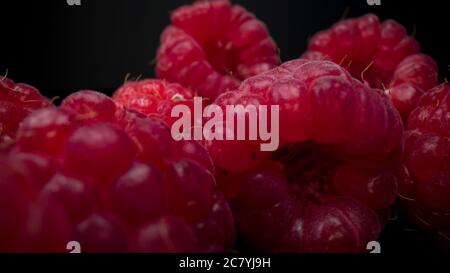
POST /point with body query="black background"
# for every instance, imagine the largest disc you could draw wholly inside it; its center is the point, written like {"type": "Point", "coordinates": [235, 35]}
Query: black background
{"type": "Point", "coordinates": [61, 49]}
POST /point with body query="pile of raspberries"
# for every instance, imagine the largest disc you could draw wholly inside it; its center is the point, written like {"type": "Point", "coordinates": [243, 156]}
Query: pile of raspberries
{"type": "Point", "coordinates": [364, 125]}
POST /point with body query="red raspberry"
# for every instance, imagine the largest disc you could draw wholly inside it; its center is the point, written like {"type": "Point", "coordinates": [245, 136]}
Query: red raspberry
{"type": "Point", "coordinates": [338, 138]}
{"type": "Point", "coordinates": [16, 102]}
{"type": "Point", "coordinates": [90, 106]}
{"type": "Point", "coordinates": [153, 97]}
{"type": "Point", "coordinates": [380, 53]}
{"type": "Point", "coordinates": [424, 178]}
{"type": "Point", "coordinates": [212, 45]}
{"type": "Point", "coordinates": [110, 178]}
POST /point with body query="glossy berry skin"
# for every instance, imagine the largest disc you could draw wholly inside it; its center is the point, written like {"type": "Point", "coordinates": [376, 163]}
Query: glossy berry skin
{"type": "Point", "coordinates": [13, 207]}
{"type": "Point", "coordinates": [16, 102]}
{"type": "Point", "coordinates": [45, 131]}
{"type": "Point", "coordinates": [379, 53]}
{"type": "Point", "coordinates": [424, 176]}
{"type": "Point", "coordinates": [100, 152]}
{"type": "Point", "coordinates": [154, 98]}
{"type": "Point", "coordinates": [76, 197]}
{"type": "Point", "coordinates": [189, 189]}
{"type": "Point", "coordinates": [90, 106]}
{"type": "Point", "coordinates": [100, 233]}
{"type": "Point", "coordinates": [138, 195]}
{"type": "Point", "coordinates": [340, 225]}
{"type": "Point", "coordinates": [212, 45]}
{"type": "Point", "coordinates": [46, 228]}
{"type": "Point", "coordinates": [167, 234]}
{"type": "Point", "coordinates": [319, 101]}
{"type": "Point", "coordinates": [318, 192]}
{"type": "Point", "coordinates": [110, 178]}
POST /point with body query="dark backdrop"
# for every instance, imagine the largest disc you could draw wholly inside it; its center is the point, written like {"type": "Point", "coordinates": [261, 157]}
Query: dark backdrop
{"type": "Point", "coordinates": [61, 48]}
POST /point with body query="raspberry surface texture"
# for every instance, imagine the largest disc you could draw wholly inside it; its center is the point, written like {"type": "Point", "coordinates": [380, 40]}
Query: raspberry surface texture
{"type": "Point", "coordinates": [424, 177]}
{"type": "Point", "coordinates": [110, 178]}
{"type": "Point", "coordinates": [211, 46]}
{"type": "Point", "coordinates": [379, 53]}
{"type": "Point", "coordinates": [322, 189]}
{"type": "Point", "coordinates": [153, 97]}
{"type": "Point", "coordinates": [16, 102]}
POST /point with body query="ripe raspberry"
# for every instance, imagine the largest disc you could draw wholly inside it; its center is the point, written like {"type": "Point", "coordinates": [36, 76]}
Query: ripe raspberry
{"type": "Point", "coordinates": [212, 45]}
{"type": "Point", "coordinates": [153, 97]}
{"type": "Point", "coordinates": [90, 106]}
{"type": "Point", "coordinates": [333, 131]}
{"type": "Point", "coordinates": [424, 183]}
{"type": "Point", "coordinates": [110, 178]}
{"type": "Point", "coordinates": [16, 102]}
{"type": "Point", "coordinates": [380, 53]}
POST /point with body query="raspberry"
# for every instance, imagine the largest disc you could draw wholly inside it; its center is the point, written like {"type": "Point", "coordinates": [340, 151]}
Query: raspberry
{"type": "Point", "coordinates": [110, 178]}
{"type": "Point", "coordinates": [16, 102]}
{"type": "Point", "coordinates": [212, 45]}
{"type": "Point", "coordinates": [379, 53]}
{"type": "Point", "coordinates": [339, 138]}
{"type": "Point", "coordinates": [90, 106]}
{"type": "Point", "coordinates": [424, 184]}
{"type": "Point", "coordinates": [153, 97]}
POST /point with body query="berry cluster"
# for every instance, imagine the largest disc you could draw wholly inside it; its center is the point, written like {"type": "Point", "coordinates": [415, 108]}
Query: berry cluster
{"type": "Point", "coordinates": [379, 53]}
{"type": "Point", "coordinates": [107, 172]}
{"type": "Point", "coordinates": [111, 179]}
